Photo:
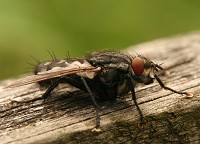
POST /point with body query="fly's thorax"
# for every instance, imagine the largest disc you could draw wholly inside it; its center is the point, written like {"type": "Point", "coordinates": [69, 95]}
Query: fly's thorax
{"type": "Point", "coordinates": [108, 58]}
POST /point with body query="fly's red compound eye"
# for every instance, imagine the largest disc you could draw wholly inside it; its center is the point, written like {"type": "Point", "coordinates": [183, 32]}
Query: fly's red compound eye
{"type": "Point", "coordinates": [138, 66]}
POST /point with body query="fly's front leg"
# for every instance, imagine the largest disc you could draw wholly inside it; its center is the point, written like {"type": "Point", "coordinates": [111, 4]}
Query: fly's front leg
{"type": "Point", "coordinates": [142, 122]}
{"type": "Point", "coordinates": [172, 90]}
{"type": "Point", "coordinates": [97, 108]}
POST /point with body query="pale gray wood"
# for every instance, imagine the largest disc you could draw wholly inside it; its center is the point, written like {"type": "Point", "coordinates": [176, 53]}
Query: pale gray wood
{"type": "Point", "coordinates": [68, 116]}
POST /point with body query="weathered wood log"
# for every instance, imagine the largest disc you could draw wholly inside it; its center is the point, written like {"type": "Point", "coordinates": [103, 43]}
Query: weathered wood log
{"type": "Point", "coordinates": [68, 116]}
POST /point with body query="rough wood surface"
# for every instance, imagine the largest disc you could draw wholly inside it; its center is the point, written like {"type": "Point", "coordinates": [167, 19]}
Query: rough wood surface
{"type": "Point", "coordinates": [68, 116]}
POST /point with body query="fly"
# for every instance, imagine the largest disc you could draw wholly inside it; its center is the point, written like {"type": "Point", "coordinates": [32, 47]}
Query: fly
{"type": "Point", "coordinates": [104, 75]}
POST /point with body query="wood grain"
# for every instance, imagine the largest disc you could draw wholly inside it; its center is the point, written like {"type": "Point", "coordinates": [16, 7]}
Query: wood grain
{"type": "Point", "coordinates": [68, 115]}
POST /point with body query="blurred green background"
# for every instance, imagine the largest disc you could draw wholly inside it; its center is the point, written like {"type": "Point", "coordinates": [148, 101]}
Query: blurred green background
{"type": "Point", "coordinates": [33, 27]}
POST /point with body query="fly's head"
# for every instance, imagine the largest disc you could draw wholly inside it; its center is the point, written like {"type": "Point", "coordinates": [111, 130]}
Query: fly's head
{"type": "Point", "coordinates": [143, 70]}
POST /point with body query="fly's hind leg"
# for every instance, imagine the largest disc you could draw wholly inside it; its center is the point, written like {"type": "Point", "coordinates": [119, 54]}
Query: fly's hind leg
{"type": "Point", "coordinates": [50, 89]}
{"type": "Point", "coordinates": [97, 108]}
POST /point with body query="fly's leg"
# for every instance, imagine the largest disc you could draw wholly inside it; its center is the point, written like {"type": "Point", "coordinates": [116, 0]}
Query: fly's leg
{"type": "Point", "coordinates": [50, 89]}
{"type": "Point", "coordinates": [97, 108]}
{"type": "Point", "coordinates": [172, 90]}
{"type": "Point", "coordinates": [142, 122]}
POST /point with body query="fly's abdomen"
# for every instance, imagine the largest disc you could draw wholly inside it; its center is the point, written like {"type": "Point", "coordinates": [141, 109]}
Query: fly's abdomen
{"type": "Point", "coordinates": [57, 65]}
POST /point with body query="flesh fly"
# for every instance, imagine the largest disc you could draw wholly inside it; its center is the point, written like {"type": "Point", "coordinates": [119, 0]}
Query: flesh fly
{"type": "Point", "coordinates": [104, 75]}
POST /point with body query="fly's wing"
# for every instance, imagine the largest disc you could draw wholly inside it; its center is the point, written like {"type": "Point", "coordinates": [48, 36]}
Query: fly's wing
{"type": "Point", "coordinates": [52, 74]}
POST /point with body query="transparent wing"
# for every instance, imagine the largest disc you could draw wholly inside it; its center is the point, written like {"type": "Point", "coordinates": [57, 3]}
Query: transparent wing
{"type": "Point", "coordinates": [51, 74]}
